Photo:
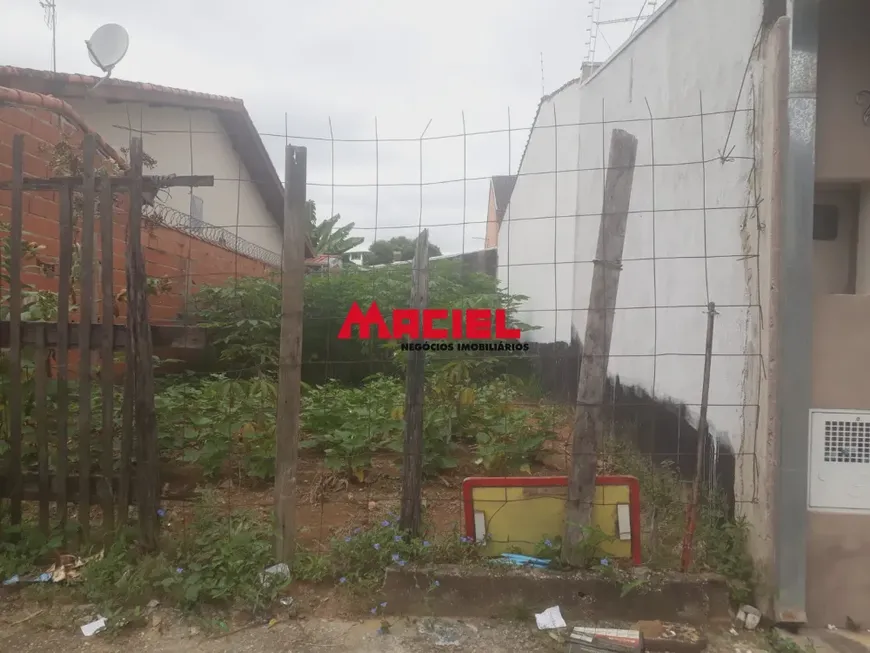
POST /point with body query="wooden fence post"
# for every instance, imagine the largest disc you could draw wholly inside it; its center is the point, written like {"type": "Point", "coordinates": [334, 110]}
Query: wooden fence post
{"type": "Point", "coordinates": [107, 358]}
{"type": "Point", "coordinates": [415, 379]}
{"type": "Point", "coordinates": [290, 352]}
{"type": "Point", "coordinates": [596, 345]}
{"type": "Point", "coordinates": [86, 264]}
{"type": "Point", "coordinates": [62, 351]}
{"type": "Point", "coordinates": [139, 336]}
{"type": "Point", "coordinates": [15, 268]}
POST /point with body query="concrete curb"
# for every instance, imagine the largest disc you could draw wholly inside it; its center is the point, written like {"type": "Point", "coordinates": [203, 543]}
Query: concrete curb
{"type": "Point", "coordinates": [506, 591]}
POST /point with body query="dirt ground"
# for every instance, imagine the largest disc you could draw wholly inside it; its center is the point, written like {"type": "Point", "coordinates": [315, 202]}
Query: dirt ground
{"type": "Point", "coordinates": [328, 506]}
{"type": "Point", "coordinates": [26, 630]}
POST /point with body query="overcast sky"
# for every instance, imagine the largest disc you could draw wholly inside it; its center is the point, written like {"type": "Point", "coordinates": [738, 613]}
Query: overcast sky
{"type": "Point", "coordinates": [404, 62]}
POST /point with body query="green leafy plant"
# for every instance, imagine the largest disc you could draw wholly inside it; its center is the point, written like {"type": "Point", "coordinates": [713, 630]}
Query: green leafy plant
{"type": "Point", "coordinates": [243, 317]}
{"type": "Point", "coordinates": [217, 421]}
{"type": "Point", "coordinates": [360, 557]}
{"type": "Point", "coordinates": [349, 424]}
{"type": "Point", "coordinates": [219, 560]}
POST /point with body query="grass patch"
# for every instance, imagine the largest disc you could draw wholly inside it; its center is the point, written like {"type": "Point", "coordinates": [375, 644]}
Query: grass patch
{"type": "Point", "coordinates": [217, 563]}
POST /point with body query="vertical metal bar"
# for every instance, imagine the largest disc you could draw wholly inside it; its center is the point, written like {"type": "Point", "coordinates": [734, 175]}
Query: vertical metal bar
{"type": "Point", "coordinates": [692, 512]}
{"type": "Point", "coordinates": [86, 298]}
{"type": "Point", "coordinates": [107, 357]}
{"type": "Point", "coordinates": [41, 412]}
{"type": "Point", "coordinates": [796, 317]}
{"type": "Point", "coordinates": [14, 269]}
{"type": "Point", "coordinates": [64, 274]}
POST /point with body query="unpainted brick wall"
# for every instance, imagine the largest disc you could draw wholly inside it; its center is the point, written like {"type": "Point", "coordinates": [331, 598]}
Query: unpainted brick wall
{"type": "Point", "coordinates": [185, 261]}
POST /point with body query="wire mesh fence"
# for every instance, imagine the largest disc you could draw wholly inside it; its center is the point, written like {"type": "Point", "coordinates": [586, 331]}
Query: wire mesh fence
{"type": "Point", "coordinates": [501, 415]}
{"type": "Point", "coordinates": [688, 235]}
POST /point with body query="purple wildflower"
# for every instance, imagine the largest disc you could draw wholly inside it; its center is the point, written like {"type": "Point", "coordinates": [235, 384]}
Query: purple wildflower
{"type": "Point", "coordinates": [398, 538]}
{"type": "Point", "coordinates": [437, 583]}
{"type": "Point", "coordinates": [425, 543]}
{"type": "Point", "coordinates": [385, 523]}
{"type": "Point", "coordinates": [377, 546]}
{"type": "Point", "coordinates": [178, 570]}
{"type": "Point", "coordinates": [342, 580]}
{"type": "Point", "coordinates": [384, 604]}
{"type": "Point", "coordinates": [357, 530]}
{"type": "Point", "coordinates": [548, 544]}
{"type": "Point", "coordinates": [605, 562]}
{"type": "Point", "coordinates": [375, 610]}
{"type": "Point", "coordinates": [401, 563]}
{"type": "Point", "coordinates": [161, 512]}
{"type": "Point", "coordinates": [348, 538]}
{"type": "Point", "coordinates": [395, 557]}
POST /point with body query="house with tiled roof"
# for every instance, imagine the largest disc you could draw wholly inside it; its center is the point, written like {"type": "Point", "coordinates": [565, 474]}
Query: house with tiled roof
{"type": "Point", "coordinates": [500, 189]}
{"type": "Point", "coordinates": [185, 132]}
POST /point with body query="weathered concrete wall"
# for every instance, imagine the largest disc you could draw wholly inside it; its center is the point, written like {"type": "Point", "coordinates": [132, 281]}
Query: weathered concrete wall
{"type": "Point", "coordinates": [695, 231]}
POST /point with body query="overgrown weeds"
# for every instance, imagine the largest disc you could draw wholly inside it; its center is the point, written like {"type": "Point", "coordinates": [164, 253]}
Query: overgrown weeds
{"type": "Point", "coordinates": [720, 543]}
{"type": "Point", "coordinates": [358, 559]}
{"type": "Point", "coordinates": [218, 560]}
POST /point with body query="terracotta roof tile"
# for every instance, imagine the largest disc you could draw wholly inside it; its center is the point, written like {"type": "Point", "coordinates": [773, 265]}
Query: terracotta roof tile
{"type": "Point", "coordinates": [231, 112]}
{"type": "Point", "coordinates": [89, 80]}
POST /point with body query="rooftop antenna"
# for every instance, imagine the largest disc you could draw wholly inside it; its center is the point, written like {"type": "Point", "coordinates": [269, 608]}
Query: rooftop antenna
{"type": "Point", "coordinates": [106, 47]}
{"type": "Point", "coordinates": [51, 21]}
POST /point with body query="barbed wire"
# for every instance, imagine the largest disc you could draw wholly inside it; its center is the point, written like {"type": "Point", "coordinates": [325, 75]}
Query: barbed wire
{"type": "Point", "coordinates": [209, 233]}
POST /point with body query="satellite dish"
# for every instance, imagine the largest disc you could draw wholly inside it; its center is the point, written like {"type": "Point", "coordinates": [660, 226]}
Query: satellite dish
{"type": "Point", "coordinates": [107, 46]}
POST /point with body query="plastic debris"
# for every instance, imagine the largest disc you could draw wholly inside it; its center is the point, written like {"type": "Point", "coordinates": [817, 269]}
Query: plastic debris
{"type": "Point", "coordinates": [550, 618]}
{"type": "Point", "coordinates": [69, 567]}
{"type": "Point", "coordinates": [749, 616]}
{"type": "Point", "coordinates": [832, 627]}
{"type": "Point", "coordinates": [94, 627]}
{"type": "Point", "coordinates": [522, 561]}
{"type": "Point", "coordinates": [44, 577]}
{"type": "Point", "coordinates": [733, 632]}
{"type": "Point", "coordinates": [287, 601]}
{"type": "Point", "coordinates": [281, 569]}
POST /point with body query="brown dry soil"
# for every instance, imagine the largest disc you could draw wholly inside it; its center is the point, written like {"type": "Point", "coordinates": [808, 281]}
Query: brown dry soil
{"type": "Point", "coordinates": [328, 505]}
{"type": "Point", "coordinates": [27, 628]}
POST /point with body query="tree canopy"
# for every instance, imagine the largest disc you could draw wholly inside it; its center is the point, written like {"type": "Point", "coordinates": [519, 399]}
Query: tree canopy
{"type": "Point", "coordinates": [395, 249]}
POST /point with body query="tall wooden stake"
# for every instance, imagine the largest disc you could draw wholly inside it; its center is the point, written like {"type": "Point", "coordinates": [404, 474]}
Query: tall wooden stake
{"type": "Point", "coordinates": [290, 352]}
{"type": "Point", "coordinates": [139, 336]}
{"type": "Point", "coordinates": [412, 463]}
{"type": "Point", "coordinates": [596, 345]}
{"type": "Point", "coordinates": [86, 279]}
{"type": "Point", "coordinates": [692, 511]}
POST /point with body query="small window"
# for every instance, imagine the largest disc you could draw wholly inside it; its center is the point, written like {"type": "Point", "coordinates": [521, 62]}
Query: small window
{"type": "Point", "coordinates": [826, 219]}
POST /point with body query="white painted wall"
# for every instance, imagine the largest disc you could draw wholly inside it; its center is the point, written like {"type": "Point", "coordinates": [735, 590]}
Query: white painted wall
{"type": "Point", "coordinates": [236, 206]}
{"type": "Point", "coordinates": [693, 51]}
